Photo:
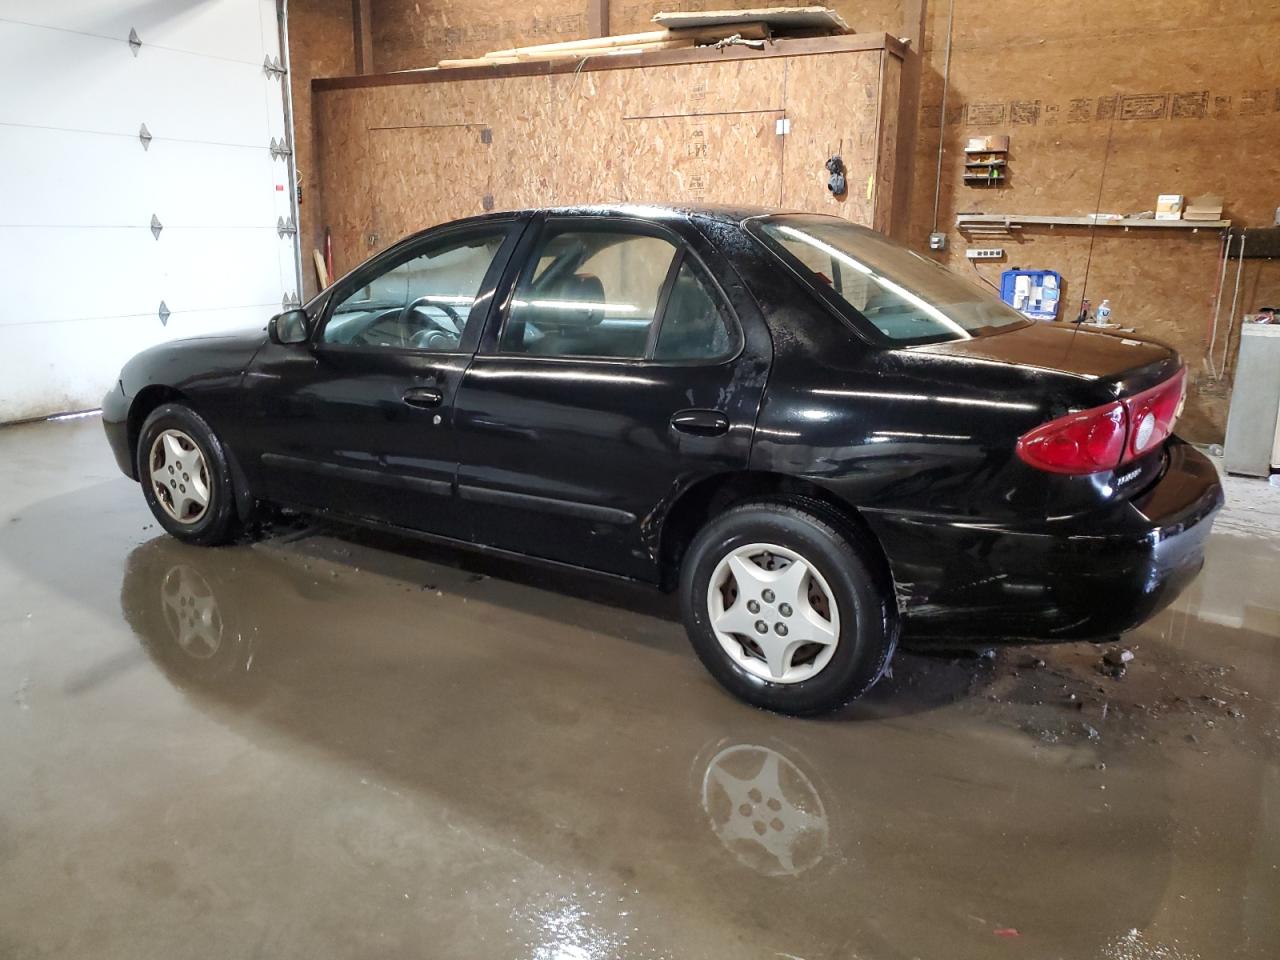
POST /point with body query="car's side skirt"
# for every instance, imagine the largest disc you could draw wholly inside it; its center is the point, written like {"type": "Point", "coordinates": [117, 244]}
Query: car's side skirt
{"type": "Point", "coordinates": [528, 501]}
{"type": "Point", "coordinates": [468, 545]}
{"type": "Point", "coordinates": [398, 480]}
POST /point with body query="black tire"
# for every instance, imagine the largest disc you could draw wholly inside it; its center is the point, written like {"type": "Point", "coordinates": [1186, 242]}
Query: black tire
{"type": "Point", "coordinates": [868, 614]}
{"type": "Point", "coordinates": [220, 522]}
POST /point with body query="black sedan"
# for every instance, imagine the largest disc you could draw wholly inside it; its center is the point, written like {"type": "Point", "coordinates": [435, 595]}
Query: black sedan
{"type": "Point", "coordinates": [818, 437]}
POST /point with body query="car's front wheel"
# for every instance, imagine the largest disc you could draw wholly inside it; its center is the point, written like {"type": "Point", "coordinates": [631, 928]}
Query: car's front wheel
{"type": "Point", "coordinates": [185, 476]}
{"type": "Point", "coordinates": [784, 605]}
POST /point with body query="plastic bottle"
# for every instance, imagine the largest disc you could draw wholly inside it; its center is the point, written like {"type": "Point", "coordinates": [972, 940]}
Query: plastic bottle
{"type": "Point", "coordinates": [1103, 316]}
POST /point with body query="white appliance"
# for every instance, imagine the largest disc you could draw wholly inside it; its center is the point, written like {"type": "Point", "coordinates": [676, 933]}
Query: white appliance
{"type": "Point", "coordinates": [1253, 423]}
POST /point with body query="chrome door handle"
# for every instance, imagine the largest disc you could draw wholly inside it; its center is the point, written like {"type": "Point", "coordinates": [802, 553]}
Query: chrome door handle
{"type": "Point", "coordinates": [700, 423]}
{"type": "Point", "coordinates": [423, 397]}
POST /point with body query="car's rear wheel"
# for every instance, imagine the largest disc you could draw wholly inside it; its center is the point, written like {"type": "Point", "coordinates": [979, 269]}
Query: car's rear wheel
{"type": "Point", "coordinates": [785, 606]}
{"type": "Point", "coordinates": [185, 476]}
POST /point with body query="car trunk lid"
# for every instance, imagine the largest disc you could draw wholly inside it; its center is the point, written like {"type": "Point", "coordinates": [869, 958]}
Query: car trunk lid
{"type": "Point", "coordinates": [1112, 365]}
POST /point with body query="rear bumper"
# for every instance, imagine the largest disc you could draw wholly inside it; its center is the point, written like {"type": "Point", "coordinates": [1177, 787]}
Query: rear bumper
{"type": "Point", "coordinates": [1078, 578]}
{"type": "Point", "coordinates": [115, 421]}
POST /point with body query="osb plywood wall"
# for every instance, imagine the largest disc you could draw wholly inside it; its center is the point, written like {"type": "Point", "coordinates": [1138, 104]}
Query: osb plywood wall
{"type": "Point", "coordinates": [396, 158]}
{"type": "Point", "coordinates": [416, 33]}
{"type": "Point", "coordinates": [320, 45]}
{"type": "Point", "coordinates": [1107, 104]}
{"type": "Point", "coordinates": [1106, 108]}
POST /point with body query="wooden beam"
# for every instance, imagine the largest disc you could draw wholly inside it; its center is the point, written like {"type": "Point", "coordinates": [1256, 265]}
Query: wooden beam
{"type": "Point", "coordinates": [913, 27]}
{"type": "Point", "coordinates": [748, 31]}
{"type": "Point", "coordinates": [520, 56]}
{"type": "Point", "coordinates": [597, 18]}
{"type": "Point", "coordinates": [362, 34]}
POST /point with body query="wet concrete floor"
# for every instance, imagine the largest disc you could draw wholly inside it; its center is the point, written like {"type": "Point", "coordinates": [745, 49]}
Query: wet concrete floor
{"type": "Point", "coordinates": [334, 745]}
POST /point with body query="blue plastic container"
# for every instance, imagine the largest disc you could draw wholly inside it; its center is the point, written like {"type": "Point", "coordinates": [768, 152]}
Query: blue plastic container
{"type": "Point", "coordinates": [1043, 292]}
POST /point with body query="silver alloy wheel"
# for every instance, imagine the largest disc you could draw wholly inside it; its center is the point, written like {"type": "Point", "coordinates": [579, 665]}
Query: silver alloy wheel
{"type": "Point", "coordinates": [773, 613]}
{"type": "Point", "coordinates": [179, 476]}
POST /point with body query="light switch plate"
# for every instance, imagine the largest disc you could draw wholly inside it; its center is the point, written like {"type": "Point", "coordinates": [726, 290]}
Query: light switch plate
{"type": "Point", "coordinates": [937, 241]}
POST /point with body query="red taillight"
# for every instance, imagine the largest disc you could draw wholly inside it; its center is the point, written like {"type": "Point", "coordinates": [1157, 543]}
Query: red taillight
{"type": "Point", "coordinates": [1083, 442]}
{"type": "Point", "coordinates": [1107, 437]}
{"type": "Point", "coordinates": [1152, 413]}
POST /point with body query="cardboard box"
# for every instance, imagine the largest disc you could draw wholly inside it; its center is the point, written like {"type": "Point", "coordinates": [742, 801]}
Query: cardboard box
{"type": "Point", "coordinates": [1207, 207]}
{"type": "Point", "coordinates": [992, 144]}
{"type": "Point", "coordinates": [1169, 206]}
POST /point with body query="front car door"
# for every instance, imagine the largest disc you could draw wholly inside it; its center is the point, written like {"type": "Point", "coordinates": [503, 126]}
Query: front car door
{"type": "Point", "coordinates": [359, 419]}
{"type": "Point", "coordinates": [626, 363]}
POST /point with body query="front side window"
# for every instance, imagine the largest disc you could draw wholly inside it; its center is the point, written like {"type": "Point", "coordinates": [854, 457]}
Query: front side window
{"type": "Point", "coordinates": [906, 298]}
{"type": "Point", "coordinates": [421, 303]}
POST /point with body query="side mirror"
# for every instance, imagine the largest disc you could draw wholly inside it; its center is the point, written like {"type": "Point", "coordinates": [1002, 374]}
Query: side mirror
{"type": "Point", "coordinates": [288, 327]}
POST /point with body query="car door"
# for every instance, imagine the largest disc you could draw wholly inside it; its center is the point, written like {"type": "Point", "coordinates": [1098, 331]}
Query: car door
{"type": "Point", "coordinates": [358, 419]}
{"type": "Point", "coordinates": [614, 375]}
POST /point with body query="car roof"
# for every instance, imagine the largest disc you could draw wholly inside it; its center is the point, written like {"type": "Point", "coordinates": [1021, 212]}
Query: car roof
{"type": "Point", "coordinates": [726, 213]}
{"type": "Point", "coordinates": [722, 213]}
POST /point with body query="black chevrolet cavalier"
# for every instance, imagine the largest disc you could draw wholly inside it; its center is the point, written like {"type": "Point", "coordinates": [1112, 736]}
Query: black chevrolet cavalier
{"type": "Point", "coordinates": [818, 437]}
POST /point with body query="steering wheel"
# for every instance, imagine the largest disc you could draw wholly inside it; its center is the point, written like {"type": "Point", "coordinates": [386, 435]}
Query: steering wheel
{"type": "Point", "coordinates": [434, 339]}
{"type": "Point", "coordinates": [361, 337]}
{"type": "Point", "coordinates": [430, 301]}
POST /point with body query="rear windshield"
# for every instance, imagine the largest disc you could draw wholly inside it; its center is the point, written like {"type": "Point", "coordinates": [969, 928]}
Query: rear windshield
{"type": "Point", "coordinates": [900, 295]}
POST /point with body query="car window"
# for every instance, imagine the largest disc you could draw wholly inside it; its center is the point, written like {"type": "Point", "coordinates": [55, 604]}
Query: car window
{"type": "Point", "coordinates": [694, 324]}
{"type": "Point", "coordinates": [421, 303]}
{"type": "Point", "coordinates": [588, 292]}
{"type": "Point", "coordinates": [905, 297]}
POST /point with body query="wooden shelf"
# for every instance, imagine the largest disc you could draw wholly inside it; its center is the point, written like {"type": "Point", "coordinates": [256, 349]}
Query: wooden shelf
{"type": "Point", "coordinates": [964, 220]}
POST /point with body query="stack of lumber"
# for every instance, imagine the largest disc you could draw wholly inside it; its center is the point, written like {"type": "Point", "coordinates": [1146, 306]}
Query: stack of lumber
{"type": "Point", "coordinates": [680, 31]}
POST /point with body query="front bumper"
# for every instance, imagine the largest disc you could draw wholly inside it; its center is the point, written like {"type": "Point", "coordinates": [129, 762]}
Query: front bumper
{"type": "Point", "coordinates": [115, 421]}
{"type": "Point", "coordinates": [1078, 578]}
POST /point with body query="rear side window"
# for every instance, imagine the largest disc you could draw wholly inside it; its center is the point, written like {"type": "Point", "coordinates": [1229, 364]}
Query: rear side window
{"type": "Point", "coordinates": [589, 293]}
{"type": "Point", "coordinates": [904, 298]}
{"type": "Point", "coordinates": [694, 325]}
{"type": "Point", "coordinates": [604, 292]}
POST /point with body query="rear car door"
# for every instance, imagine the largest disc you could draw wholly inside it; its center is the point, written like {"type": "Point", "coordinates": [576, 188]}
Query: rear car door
{"type": "Point", "coordinates": [359, 419]}
{"type": "Point", "coordinates": [615, 375]}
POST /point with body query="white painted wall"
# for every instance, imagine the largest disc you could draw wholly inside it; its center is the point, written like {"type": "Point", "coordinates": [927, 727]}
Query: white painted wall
{"type": "Point", "coordinates": [81, 276]}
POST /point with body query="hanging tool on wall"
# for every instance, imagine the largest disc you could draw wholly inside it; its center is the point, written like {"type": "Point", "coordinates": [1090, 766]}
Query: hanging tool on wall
{"type": "Point", "coordinates": [838, 182]}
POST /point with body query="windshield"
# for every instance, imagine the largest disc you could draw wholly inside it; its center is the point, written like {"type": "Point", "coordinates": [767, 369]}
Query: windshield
{"type": "Point", "coordinates": [904, 297]}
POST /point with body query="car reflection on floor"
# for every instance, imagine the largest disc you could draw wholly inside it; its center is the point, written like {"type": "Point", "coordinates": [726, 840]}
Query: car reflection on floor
{"type": "Point", "coordinates": [487, 696]}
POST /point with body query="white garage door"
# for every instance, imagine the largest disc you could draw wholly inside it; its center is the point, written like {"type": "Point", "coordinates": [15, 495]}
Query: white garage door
{"type": "Point", "coordinates": [100, 226]}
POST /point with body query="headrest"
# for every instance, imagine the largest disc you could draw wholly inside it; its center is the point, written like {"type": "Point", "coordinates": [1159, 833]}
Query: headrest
{"type": "Point", "coordinates": [558, 307]}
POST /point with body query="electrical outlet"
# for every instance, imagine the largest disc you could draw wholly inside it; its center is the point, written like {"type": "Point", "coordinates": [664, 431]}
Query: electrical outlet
{"type": "Point", "coordinates": [984, 253]}
{"type": "Point", "coordinates": [938, 241]}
